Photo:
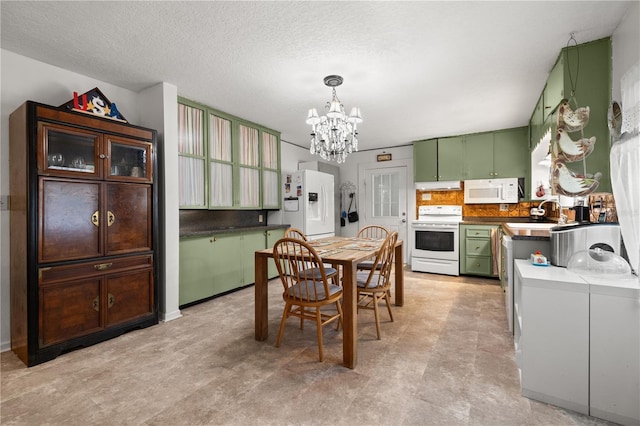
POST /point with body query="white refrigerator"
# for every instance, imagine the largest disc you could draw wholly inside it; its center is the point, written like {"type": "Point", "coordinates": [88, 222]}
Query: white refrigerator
{"type": "Point", "coordinates": [308, 203]}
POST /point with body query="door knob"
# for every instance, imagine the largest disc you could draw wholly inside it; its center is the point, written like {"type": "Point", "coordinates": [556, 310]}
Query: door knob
{"type": "Point", "coordinates": [404, 220]}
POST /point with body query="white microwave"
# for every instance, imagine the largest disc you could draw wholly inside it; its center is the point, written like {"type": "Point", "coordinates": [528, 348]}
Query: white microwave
{"type": "Point", "coordinates": [488, 191]}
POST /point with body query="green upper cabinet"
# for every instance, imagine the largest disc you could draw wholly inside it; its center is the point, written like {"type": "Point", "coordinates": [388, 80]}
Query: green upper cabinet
{"type": "Point", "coordinates": [478, 155]}
{"type": "Point", "coordinates": [536, 123]}
{"type": "Point", "coordinates": [499, 154]}
{"type": "Point", "coordinates": [450, 155]}
{"type": "Point", "coordinates": [226, 162]}
{"type": "Point", "coordinates": [425, 160]}
{"type": "Point", "coordinates": [191, 156]}
{"type": "Point", "coordinates": [554, 91]}
{"type": "Point", "coordinates": [582, 74]}
{"type": "Point", "coordinates": [511, 153]}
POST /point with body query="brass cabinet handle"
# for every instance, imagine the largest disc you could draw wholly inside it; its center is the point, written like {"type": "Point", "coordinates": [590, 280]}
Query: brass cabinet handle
{"type": "Point", "coordinates": [111, 300]}
{"type": "Point", "coordinates": [111, 218]}
{"type": "Point", "coordinates": [103, 156]}
{"type": "Point", "coordinates": [95, 218]}
{"type": "Point", "coordinates": [103, 266]}
{"type": "Point", "coordinates": [96, 304]}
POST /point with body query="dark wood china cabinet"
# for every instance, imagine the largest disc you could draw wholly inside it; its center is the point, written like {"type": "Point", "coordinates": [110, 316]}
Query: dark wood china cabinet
{"type": "Point", "coordinates": [84, 197]}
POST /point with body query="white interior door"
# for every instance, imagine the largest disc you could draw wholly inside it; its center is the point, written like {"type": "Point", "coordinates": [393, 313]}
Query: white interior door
{"type": "Point", "coordinates": [385, 196]}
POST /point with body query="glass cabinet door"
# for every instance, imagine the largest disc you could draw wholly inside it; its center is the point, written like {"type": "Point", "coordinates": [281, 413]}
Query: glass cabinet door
{"type": "Point", "coordinates": [248, 167]}
{"type": "Point", "coordinates": [69, 151]}
{"type": "Point", "coordinates": [128, 160]}
{"type": "Point", "coordinates": [220, 162]}
{"type": "Point", "coordinates": [270, 174]}
{"type": "Point", "coordinates": [191, 157]}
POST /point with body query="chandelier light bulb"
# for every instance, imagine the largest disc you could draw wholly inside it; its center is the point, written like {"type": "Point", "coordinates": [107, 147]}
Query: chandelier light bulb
{"type": "Point", "coordinates": [334, 135]}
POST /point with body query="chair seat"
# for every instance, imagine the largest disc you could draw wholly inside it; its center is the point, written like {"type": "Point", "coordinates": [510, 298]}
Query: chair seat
{"type": "Point", "coordinates": [368, 265]}
{"type": "Point", "coordinates": [363, 277]}
{"type": "Point", "coordinates": [314, 273]}
{"type": "Point", "coordinates": [300, 290]}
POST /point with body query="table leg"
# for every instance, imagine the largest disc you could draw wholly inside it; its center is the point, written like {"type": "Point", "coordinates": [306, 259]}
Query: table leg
{"type": "Point", "coordinates": [399, 272]}
{"type": "Point", "coordinates": [262, 297]}
{"type": "Point", "coordinates": [350, 315]}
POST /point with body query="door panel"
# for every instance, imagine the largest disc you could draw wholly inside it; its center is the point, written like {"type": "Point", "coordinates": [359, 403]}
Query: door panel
{"type": "Point", "coordinates": [128, 218]}
{"type": "Point", "coordinates": [69, 310]}
{"type": "Point", "coordinates": [129, 296]}
{"type": "Point", "coordinates": [386, 199]}
{"type": "Point", "coordinates": [69, 220]}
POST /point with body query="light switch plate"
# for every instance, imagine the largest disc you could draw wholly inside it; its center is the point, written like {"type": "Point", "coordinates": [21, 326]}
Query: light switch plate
{"type": "Point", "coordinates": [426, 196]}
{"type": "Point", "coordinates": [260, 218]}
{"type": "Point", "coordinates": [504, 207]}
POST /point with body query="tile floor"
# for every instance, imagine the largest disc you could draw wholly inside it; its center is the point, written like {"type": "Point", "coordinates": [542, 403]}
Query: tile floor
{"type": "Point", "coordinates": [447, 359]}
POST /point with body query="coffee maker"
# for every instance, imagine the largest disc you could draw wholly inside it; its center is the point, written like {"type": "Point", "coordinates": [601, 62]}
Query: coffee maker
{"type": "Point", "coordinates": [583, 214]}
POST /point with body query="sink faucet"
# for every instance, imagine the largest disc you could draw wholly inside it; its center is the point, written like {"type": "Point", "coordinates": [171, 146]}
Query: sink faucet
{"type": "Point", "coordinates": [563, 217]}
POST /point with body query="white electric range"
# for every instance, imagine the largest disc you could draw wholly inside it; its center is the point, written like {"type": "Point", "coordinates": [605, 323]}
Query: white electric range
{"type": "Point", "coordinates": [435, 240]}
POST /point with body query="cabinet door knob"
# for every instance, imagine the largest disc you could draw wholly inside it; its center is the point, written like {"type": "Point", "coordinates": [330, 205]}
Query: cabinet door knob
{"type": "Point", "coordinates": [111, 300]}
{"type": "Point", "coordinates": [111, 218]}
{"type": "Point", "coordinates": [103, 156]}
{"type": "Point", "coordinates": [95, 218]}
{"type": "Point", "coordinates": [96, 304]}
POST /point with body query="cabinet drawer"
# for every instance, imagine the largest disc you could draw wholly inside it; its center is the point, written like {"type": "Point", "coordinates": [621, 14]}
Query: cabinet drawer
{"type": "Point", "coordinates": [478, 233]}
{"type": "Point", "coordinates": [49, 275]}
{"type": "Point", "coordinates": [478, 265]}
{"type": "Point", "coordinates": [478, 247]}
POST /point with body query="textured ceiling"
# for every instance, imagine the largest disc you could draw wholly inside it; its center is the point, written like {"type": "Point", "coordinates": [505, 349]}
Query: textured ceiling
{"type": "Point", "coordinates": [416, 69]}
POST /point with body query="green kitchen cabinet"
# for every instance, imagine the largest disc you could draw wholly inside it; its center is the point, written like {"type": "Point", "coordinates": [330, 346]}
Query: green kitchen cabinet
{"type": "Point", "coordinates": [209, 266]}
{"type": "Point", "coordinates": [510, 153]}
{"type": "Point", "coordinates": [251, 242]}
{"type": "Point", "coordinates": [450, 155]}
{"type": "Point", "coordinates": [536, 122]}
{"type": "Point", "coordinates": [476, 254]}
{"type": "Point", "coordinates": [226, 162]}
{"type": "Point", "coordinates": [582, 75]}
{"type": "Point", "coordinates": [222, 262]}
{"type": "Point", "coordinates": [425, 160]}
{"type": "Point", "coordinates": [498, 154]}
{"type": "Point", "coordinates": [554, 90]}
{"type": "Point", "coordinates": [478, 156]}
{"type": "Point", "coordinates": [273, 235]}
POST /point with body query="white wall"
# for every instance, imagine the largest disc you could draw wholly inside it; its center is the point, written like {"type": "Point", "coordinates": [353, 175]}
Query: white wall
{"type": "Point", "coordinates": [26, 79]}
{"type": "Point", "coordinates": [626, 47]}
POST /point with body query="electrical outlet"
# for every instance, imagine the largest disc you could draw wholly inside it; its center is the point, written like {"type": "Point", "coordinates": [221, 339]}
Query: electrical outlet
{"type": "Point", "coordinates": [504, 207]}
{"type": "Point", "coordinates": [426, 196]}
{"type": "Point", "coordinates": [260, 218]}
{"type": "Point", "coordinates": [4, 202]}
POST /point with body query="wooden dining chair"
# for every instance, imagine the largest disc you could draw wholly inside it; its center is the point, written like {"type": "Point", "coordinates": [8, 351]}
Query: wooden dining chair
{"type": "Point", "coordinates": [376, 232]}
{"type": "Point", "coordinates": [329, 270]}
{"type": "Point", "coordinates": [304, 292]}
{"type": "Point", "coordinates": [295, 233]}
{"type": "Point", "coordinates": [374, 286]}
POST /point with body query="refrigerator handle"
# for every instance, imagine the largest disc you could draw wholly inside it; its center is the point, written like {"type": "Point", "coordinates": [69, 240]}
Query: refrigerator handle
{"type": "Point", "coordinates": [324, 205]}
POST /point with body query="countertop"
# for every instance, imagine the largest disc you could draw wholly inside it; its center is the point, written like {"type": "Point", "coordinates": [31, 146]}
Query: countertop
{"type": "Point", "coordinates": [188, 233]}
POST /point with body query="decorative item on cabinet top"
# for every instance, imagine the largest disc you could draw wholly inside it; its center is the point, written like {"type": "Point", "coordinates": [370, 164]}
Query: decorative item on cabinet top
{"type": "Point", "coordinates": [96, 103]}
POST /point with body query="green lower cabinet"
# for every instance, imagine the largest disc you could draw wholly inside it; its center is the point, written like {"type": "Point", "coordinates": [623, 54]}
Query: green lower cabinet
{"type": "Point", "coordinates": [216, 264]}
{"type": "Point", "coordinates": [476, 256]}
{"type": "Point", "coordinates": [209, 266]}
{"type": "Point", "coordinates": [273, 235]}
{"type": "Point", "coordinates": [251, 242]}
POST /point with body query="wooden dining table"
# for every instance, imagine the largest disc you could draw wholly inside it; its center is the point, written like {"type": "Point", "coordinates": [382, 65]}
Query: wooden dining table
{"type": "Point", "coordinates": [345, 252]}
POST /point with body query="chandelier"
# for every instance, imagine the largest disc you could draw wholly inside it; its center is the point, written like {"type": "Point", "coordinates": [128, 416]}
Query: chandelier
{"type": "Point", "coordinates": [334, 136]}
